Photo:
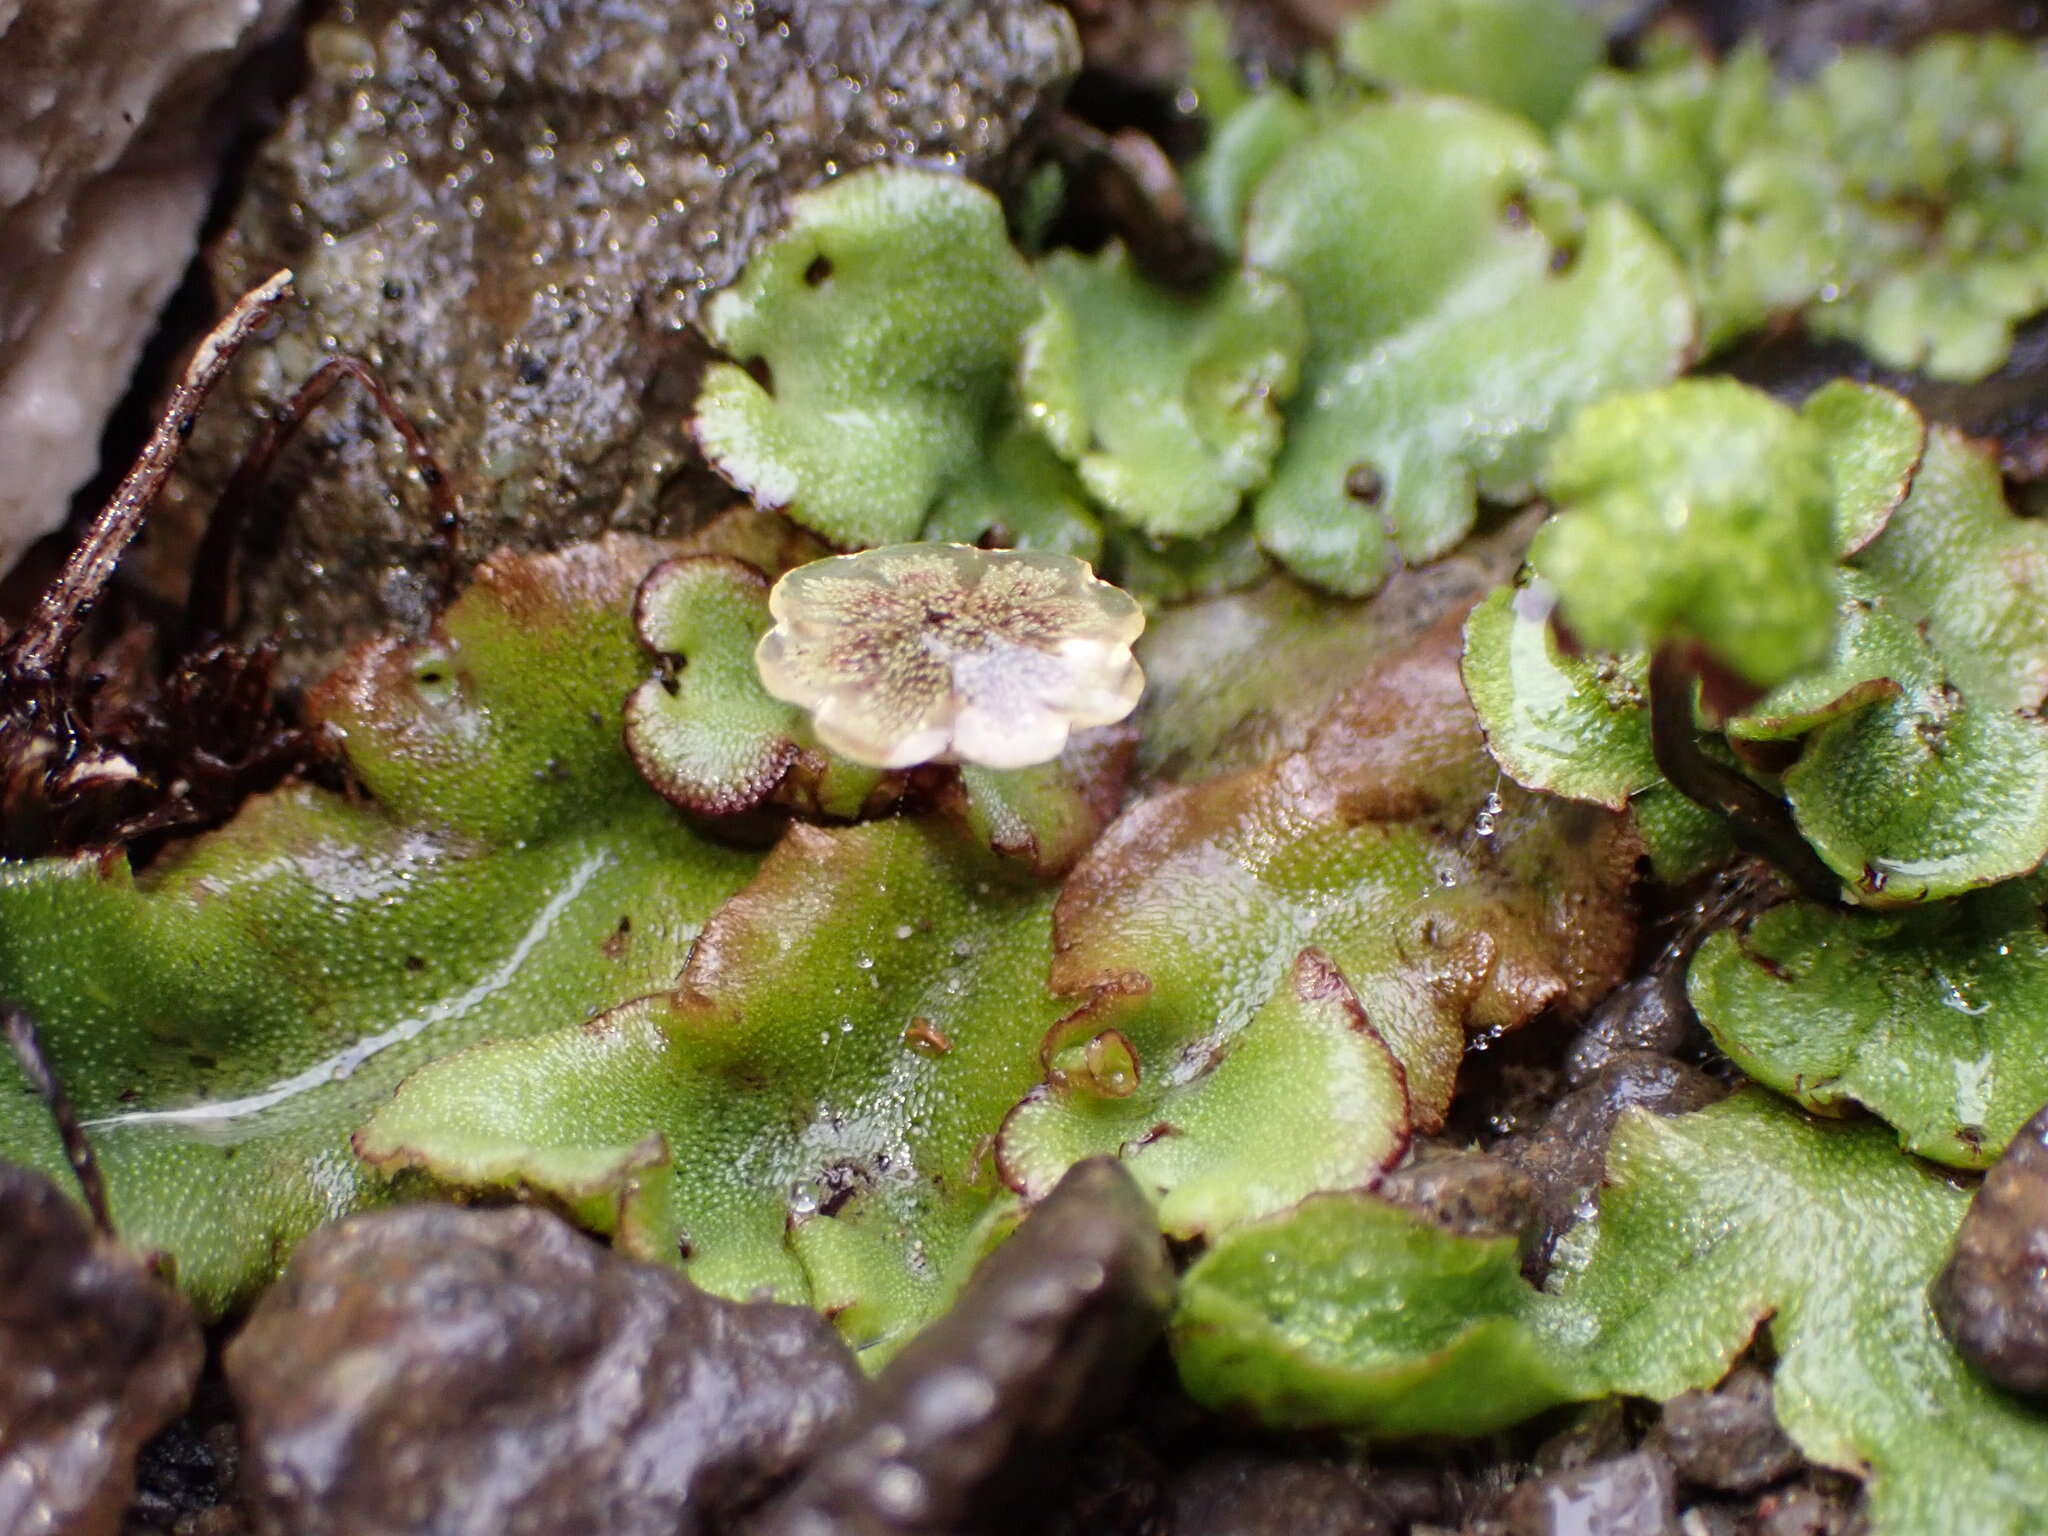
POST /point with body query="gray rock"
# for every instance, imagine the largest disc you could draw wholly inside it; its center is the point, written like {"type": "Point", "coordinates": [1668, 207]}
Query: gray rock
{"type": "Point", "coordinates": [513, 211]}
{"type": "Point", "coordinates": [111, 126]}
{"type": "Point", "coordinates": [1992, 1295]}
{"type": "Point", "coordinates": [1040, 1343]}
{"type": "Point", "coordinates": [494, 1371]}
{"type": "Point", "coordinates": [1628, 1496]}
{"type": "Point", "coordinates": [96, 1355]}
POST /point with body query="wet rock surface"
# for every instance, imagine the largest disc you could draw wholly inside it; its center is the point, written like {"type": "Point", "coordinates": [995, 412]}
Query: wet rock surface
{"type": "Point", "coordinates": [1566, 1156]}
{"type": "Point", "coordinates": [1614, 1467]}
{"type": "Point", "coordinates": [1631, 1495]}
{"type": "Point", "coordinates": [96, 1355]}
{"type": "Point", "coordinates": [513, 212]}
{"type": "Point", "coordinates": [1474, 1193]}
{"type": "Point", "coordinates": [1649, 1014]}
{"type": "Point", "coordinates": [1727, 1439]}
{"type": "Point", "coordinates": [1992, 1296]}
{"type": "Point", "coordinates": [453, 1370]}
{"type": "Point", "coordinates": [963, 1428]}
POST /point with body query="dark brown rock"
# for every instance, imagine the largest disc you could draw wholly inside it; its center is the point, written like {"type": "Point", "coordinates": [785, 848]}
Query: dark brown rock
{"type": "Point", "coordinates": [1250, 1495]}
{"type": "Point", "coordinates": [1648, 1014]}
{"type": "Point", "coordinates": [1566, 1156]}
{"type": "Point", "coordinates": [1628, 1496]}
{"type": "Point", "coordinates": [96, 1355]}
{"type": "Point", "coordinates": [1727, 1439]}
{"type": "Point", "coordinates": [449, 1370]}
{"type": "Point", "coordinates": [513, 211]}
{"type": "Point", "coordinates": [965, 1423]}
{"type": "Point", "coordinates": [1992, 1295]}
{"type": "Point", "coordinates": [1474, 1193]}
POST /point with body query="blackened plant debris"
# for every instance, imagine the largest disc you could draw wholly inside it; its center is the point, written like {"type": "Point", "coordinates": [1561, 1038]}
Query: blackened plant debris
{"type": "Point", "coordinates": [150, 754]}
{"type": "Point", "coordinates": [1125, 183]}
{"type": "Point", "coordinates": [212, 733]}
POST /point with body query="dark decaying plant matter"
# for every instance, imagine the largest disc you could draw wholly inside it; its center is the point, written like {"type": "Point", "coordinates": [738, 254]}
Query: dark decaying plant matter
{"type": "Point", "coordinates": [173, 748]}
{"type": "Point", "coordinates": [67, 771]}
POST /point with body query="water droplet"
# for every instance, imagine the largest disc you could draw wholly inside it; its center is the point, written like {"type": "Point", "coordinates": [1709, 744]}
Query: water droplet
{"type": "Point", "coordinates": [865, 962]}
{"type": "Point", "coordinates": [803, 1197]}
{"type": "Point", "coordinates": [1489, 815]}
{"type": "Point", "coordinates": [904, 930]}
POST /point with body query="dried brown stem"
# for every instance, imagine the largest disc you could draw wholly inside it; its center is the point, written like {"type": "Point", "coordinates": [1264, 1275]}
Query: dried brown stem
{"type": "Point", "coordinates": [35, 1065]}
{"type": "Point", "coordinates": [36, 651]}
{"type": "Point", "coordinates": [206, 612]}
